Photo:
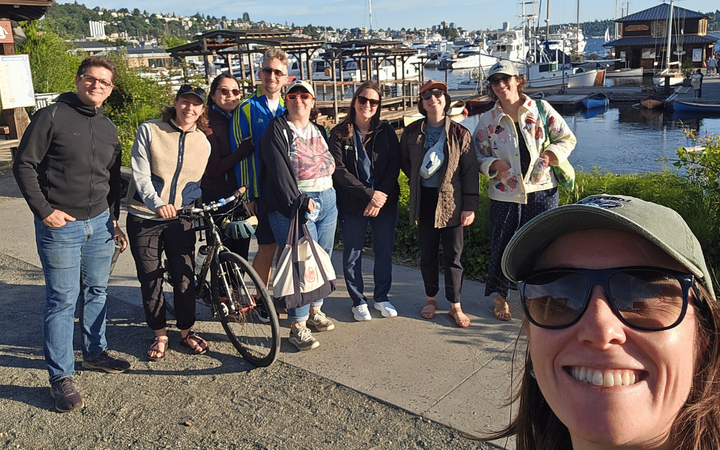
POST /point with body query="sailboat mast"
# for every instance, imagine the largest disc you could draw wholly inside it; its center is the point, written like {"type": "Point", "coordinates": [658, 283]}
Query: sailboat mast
{"type": "Point", "coordinates": [616, 18]}
{"type": "Point", "coordinates": [547, 21]}
{"type": "Point", "coordinates": [667, 56]}
{"type": "Point", "coordinates": [370, 12]}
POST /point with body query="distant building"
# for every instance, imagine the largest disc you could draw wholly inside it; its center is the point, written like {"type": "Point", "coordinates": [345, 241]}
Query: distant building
{"type": "Point", "coordinates": [97, 29]}
{"type": "Point", "coordinates": [644, 37]}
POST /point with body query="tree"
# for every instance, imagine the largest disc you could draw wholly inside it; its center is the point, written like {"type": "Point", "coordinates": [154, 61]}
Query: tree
{"type": "Point", "coordinates": [246, 17]}
{"type": "Point", "coordinates": [169, 41]}
{"type": "Point", "coordinates": [136, 12]}
{"type": "Point", "coordinates": [134, 100]}
{"type": "Point", "coordinates": [53, 68]}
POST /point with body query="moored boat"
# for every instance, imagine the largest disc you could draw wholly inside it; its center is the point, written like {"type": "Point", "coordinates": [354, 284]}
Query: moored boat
{"type": "Point", "coordinates": [652, 103]}
{"type": "Point", "coordinates": [697, 107]}
{"type": "Point", "coordinates": [599, 100]}
{"type": "Point", "coordinates": [573, 78]}
{"type": "Point", "coordinates": [624, 73]}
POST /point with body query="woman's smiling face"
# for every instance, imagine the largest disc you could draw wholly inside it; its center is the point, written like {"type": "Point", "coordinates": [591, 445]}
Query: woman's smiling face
{"type": "Point", "coordinates": [641, 378]}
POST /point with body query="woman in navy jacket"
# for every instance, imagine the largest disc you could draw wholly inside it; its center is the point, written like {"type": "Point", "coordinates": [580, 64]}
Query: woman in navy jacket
{"type": "Point", "coordinates": [367, 165]}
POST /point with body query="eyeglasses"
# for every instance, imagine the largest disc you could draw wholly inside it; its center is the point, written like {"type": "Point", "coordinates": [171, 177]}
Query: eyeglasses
{"type": "Point", "coordinates": [365, 100]}
{"type": "Point", "coordinates": [302, 95]}
{"type": "Point", "coordinates": [494, 81]}
{"type": "Point", "coordinates": [226, 91]}
{"type": "Point", "coordinates": [269, 71]}
{"type": "Point", "coordinates": [90, 80]}
{"type": "Point", "coordinates": [437, 93]}
{"type": "Point", "coordinates": [643, 298]}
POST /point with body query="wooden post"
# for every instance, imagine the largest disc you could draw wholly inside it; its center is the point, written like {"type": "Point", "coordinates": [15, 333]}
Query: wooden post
{"type": "Point", "coordinates": [252, 68]}
{"type": "Point", "coordinates": [335, 98]}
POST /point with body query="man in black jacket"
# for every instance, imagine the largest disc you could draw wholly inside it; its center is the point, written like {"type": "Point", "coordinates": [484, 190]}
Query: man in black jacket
{"type": "Point", "coordinates": [68, 169]}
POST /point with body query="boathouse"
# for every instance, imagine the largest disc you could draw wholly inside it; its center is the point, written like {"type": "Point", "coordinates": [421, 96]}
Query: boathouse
{"type": "Point", "coordinates": [644, 38]}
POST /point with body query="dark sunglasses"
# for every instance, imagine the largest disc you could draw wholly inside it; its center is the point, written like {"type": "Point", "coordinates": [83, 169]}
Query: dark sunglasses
{"type": "Point", "coordinates": [268, 71]}
{"type": "Point", "coordinates": [643, 298]}
{"type": "Point", "coordinates": [302, 95]}
{"type": "Point", "coordinates": [226, 91]}
{"type": "Point", "coordinates": [494, 81]}
{"type": "Point", "coordinates": [437, 93]}
{"type": "Point", "coordinates": [364, 100]}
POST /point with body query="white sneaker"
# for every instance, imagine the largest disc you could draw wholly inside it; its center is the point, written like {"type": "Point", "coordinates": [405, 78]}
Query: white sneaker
{"type": "Point", "coordinates": [361, 312]}
{"type": "Point", "coordinates": [386, 308]}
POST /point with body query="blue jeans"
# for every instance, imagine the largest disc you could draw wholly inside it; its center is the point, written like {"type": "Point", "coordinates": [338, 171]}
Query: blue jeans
{"type": "Point", "coordinates": [76, 262]}
{"type": "Point", "coordinates": [353, 228]}
{"type": "Point", "coordinates": [322, 230]}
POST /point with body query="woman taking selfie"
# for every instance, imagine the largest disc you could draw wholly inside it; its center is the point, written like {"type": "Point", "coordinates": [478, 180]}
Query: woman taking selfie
{"type": "Point", "coordinates": [622, 330]}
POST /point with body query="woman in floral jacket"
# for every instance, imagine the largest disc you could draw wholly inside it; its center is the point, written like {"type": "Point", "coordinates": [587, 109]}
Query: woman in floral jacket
{"type": "Point", "coordinates": [512, 151]}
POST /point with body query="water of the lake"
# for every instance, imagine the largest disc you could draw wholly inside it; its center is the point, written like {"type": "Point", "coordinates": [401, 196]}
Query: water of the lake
{"type": "Point", "coordinates": [624, 139]}
{"type": "Point", "coordinates": [621, 139]}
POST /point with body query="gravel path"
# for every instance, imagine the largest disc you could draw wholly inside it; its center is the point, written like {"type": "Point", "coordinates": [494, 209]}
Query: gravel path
{"type": "Point", "coordinates": [216, 401]}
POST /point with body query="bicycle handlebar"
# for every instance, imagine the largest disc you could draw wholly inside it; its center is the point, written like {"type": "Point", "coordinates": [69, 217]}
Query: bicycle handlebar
{"type": "Point", "coordinates": [189, 211]}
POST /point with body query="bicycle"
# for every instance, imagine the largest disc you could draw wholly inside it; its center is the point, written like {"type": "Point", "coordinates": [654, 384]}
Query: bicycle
{"type": "Point", "coordinates": [235, 294]}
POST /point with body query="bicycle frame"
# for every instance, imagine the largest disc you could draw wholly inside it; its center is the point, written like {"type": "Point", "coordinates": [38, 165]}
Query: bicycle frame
{"type": "Point", "coordinates": [215, 247]}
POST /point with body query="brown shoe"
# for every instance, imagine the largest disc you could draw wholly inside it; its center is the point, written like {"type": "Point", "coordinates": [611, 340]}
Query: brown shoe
{"type": "Point", "coordinates": [67, 398]}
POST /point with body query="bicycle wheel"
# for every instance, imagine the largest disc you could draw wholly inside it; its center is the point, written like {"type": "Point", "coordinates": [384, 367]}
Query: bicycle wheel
{"type": "Point", "coordinates": [247, 314]}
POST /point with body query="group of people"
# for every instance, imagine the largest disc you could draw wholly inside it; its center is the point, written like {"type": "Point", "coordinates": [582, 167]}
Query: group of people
{"type": "Point", "coordinates": [620, 315]}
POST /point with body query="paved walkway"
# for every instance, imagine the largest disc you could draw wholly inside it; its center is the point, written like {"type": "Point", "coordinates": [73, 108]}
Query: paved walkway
{"type": "Point", "coordinates": [458, 377]}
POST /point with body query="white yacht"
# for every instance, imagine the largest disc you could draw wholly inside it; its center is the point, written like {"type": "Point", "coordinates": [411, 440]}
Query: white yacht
{"type": "Point", "coordinates": [547, 74]}
{"type": "Point", "coordinates": [509, 45]}
{"type": "Point", "coordinates": [472, 57]}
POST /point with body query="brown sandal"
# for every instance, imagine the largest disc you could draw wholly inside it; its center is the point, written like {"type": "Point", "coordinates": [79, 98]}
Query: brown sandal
{"type": "Point", "coordinates": [195, 343]}
{"type": "Point", "coordinates": [428, 311]}
{"type": "Point", "coordinates": [502, 310]}
{"type": "Point", "coordinates": [158, 348]}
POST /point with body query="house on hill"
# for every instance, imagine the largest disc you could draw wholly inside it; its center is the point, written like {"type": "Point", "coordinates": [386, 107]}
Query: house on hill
{"type": "Point", "coordinates": [643, 38]}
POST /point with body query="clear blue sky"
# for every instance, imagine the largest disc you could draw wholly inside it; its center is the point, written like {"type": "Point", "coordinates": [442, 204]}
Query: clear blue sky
{"type": "Point", "coordinates": [469, 14]}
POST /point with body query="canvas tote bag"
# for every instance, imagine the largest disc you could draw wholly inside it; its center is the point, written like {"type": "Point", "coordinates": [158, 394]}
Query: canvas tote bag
{"type": "Point", "coordinates": [304, 273]}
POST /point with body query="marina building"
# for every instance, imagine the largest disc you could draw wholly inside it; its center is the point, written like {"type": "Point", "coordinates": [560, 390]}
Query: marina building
{"type": "Point", "coordinates": [643, 40]}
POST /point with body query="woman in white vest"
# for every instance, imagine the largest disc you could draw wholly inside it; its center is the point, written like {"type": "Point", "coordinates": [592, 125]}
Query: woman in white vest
{"type": "Point", "coordinates": [168, 160]}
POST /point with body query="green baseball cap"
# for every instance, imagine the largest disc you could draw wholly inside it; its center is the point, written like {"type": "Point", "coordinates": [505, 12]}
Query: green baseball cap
{"type": "Point", "coordinates": [659, 224]}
